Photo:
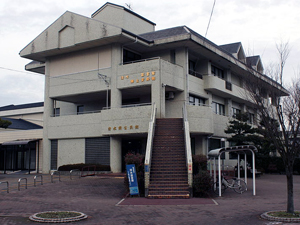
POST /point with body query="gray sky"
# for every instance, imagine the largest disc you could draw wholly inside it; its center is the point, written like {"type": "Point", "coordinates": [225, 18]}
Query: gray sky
{"type": "Point", "coordinates": [258, 24]}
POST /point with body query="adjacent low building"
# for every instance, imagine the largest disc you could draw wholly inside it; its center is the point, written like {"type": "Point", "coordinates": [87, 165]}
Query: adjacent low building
{"type": "Point", "coordinates": [106, 74]}
{"type": "Point", "coordinates": [21, 143]}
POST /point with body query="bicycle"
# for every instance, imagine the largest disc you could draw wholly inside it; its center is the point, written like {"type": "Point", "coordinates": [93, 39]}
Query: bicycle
{"type": "Point", "coordinates": [238, 185]}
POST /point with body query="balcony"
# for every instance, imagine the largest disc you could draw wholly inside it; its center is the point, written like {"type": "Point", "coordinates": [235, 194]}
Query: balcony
{"type": "Point", "coordinates": [148, 71]}
{"type": "Point", "coordinates": [115, 121]}
{"type": "Point", "coordinates": [82, 83]}
{"type": "Point", "coordinates": [223, 88]}
{"type": "Point", "coordinates": [200, 119]}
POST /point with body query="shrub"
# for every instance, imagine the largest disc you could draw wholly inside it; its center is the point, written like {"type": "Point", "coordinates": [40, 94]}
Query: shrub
{"type": "Point", "coordinates": [79, 166]}
{"type": "Point", "coordinates": [202, 184]}
{"type": "Point", "coordinates": [199, 163]}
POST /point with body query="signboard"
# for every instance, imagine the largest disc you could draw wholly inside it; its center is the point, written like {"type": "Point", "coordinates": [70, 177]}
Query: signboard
{"type": "Point", "coordinates": [132, 179]}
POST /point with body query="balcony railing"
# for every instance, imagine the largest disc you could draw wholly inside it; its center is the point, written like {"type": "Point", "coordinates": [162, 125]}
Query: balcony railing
{"type": "Point", "coordinates": [140, 60]}
{"type": "Point", "coordinates": [196, 74]}
{"type": "Point", "coordinates": [75, 113]}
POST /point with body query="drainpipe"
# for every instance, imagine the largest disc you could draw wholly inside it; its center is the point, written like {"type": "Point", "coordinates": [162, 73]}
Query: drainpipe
{"type": "Point", "coordinates": [29, 158]}
{"type": "Point", "coordinates": [4, 161]}
{"type": "Point", "coordinates": [38, 156]}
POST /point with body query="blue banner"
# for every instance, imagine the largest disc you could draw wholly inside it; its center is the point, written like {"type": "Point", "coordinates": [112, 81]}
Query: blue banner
{"type": "Point", "coordinates": [132, 179]}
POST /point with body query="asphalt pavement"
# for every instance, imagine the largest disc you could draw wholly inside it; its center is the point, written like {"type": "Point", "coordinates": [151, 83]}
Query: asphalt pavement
{"type": "Point", "coordinates": [102, 199]}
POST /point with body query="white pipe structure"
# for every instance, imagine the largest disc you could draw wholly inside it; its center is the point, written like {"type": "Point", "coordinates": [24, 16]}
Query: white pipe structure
{"type": "Point", "coordinates": [216, 153]}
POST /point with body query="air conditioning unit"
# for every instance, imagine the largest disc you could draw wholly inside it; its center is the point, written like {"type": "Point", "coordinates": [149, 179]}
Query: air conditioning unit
{"type": "Point", "coordinates": [170, 95]}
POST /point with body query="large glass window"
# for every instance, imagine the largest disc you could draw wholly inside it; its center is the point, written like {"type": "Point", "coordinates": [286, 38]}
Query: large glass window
{"type": "Point", "coordinates": [218, 108]}
{"type": "Point", "coordinates": [129, 56]}
{"type": "Point", "coordinates": [217, 72]}
{"type": "Point", "coordinates": [193, 100]}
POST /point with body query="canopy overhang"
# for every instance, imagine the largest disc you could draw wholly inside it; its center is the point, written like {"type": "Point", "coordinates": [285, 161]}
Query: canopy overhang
{"type": "Point", "coordinates": [19, 142]}
{"type": "Point", "coordinates": [241, 148]}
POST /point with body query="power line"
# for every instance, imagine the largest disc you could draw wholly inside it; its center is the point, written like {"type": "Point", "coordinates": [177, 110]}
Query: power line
{"type": "Point", "coordinates": [212, 10]}
{"type": "Point", "coordinates": [36, 74]}
{"type": "Point", "coordinates": [19, 71]}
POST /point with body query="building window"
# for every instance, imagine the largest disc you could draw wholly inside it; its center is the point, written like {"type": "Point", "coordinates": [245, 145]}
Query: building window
{"type": "Point", "coordinates": [218, 108]}
{"type": "Point", "coordinates": [235, 112]}
{"type": "Point", "coordinates": [53, 160]}
{"type": "Point", "coordinates": [217, 72]}
{"type": "Point", "coordinates": [129, 56]}
{"type": "Point", "coordinates": [192, 67]}
{"type": "Point", "coordinates": [56, 112]}
{"type": "Point", "coordinates": [80, 109]}
{"type": "Point", "coordinates": [196, 101]}
{"type": "Point", "coordinates": [250, 118]}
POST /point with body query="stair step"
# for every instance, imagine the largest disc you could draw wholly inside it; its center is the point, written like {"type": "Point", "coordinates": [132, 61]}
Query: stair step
{"type": "Point", "coordinates": [184, 196]}
{"type": "Point", "coordinates": [168, 186]}
{"type": "Point", "coordinates": [168, 174]}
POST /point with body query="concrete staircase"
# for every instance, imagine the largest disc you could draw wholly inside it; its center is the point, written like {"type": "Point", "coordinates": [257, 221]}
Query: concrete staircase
{"type": "Point", "coordinates": [168, 175]}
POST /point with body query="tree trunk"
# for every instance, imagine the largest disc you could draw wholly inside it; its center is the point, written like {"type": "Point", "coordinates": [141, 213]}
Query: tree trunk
{"type": "Point", "coordinates": [290, 189]}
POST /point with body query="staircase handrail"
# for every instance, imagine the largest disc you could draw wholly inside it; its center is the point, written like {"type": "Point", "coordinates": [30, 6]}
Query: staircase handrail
{"type": "Point", "coordinates": [188, 151]}
{"type": "Point", "coordinates": [151, 131]}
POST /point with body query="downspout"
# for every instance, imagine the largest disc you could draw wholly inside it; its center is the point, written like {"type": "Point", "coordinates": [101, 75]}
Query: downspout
{"type": "Point", "coordinates": [38, 156]}
{"type": "Point", "coordinates": [4, 164]}
{"type": "Point", "coordinates": [29, 158]}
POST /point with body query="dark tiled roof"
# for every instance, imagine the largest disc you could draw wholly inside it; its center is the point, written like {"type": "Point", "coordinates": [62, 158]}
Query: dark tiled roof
{"type": "Point", "coordinates": [20, 124]}
{"type": "Point", "coordinates": [23, 106]}
{"type": "Point", "coordinates": [252, 60]}
{"type": "Point", "coordinates": [174, 31]}
{"type": "Point", "coordinates": [232, 48]}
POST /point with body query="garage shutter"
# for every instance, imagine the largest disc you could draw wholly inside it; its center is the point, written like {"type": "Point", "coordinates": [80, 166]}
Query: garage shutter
{"type": "Point", "coordinates": [53, 154]}
{"type": "Point", "coordinates": [97, 150]}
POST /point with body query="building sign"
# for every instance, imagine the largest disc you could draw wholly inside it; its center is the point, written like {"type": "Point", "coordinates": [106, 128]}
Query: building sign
{"type": "Point", "coordinates": [132, 179]}
{"type": "Point", "coordinates": [131, 127]}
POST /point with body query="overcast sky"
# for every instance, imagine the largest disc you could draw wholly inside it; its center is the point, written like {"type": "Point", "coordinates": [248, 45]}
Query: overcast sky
{"type": "Point", "coordinates": [258, 24]}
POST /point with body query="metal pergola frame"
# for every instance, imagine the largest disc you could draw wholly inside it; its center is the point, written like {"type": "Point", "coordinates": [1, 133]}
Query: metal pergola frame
{"type": "Point", "coordinates": [216, 153]}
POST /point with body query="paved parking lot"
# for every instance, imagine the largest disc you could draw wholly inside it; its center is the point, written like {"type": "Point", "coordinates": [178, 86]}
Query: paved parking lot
{"type": "Point", "coordinates": [99, 198]}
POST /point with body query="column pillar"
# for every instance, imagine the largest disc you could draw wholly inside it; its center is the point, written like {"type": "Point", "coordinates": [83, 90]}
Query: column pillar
{"type": "Point", "coordinates": [115, 93]}
{"type": "Point", "coordinates": [48, 111]}
{"type": "Point", "coordinates": [116, 154]}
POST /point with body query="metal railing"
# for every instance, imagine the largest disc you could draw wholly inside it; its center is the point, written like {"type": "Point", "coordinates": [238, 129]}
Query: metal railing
{"type": "Point", "coordinates": [188, 151]}
{"type": "Point", "coordinates": [19, 183]}
{"type": "Point", "coordinates": [196, 74]}
{"type": "Point", "coordinates": [129, 106]}
{"type": "Point", "coordinates": [52, 176]}
{"type": "Point", "coordinates": [75, 170]}
{"type": "Point", "coordinates": [7, 185]}
{"type": "Point", "coordinates": [83, 171]}
{"type": "Point", "coordinates": [34, 179]}
{"type": "Point", "coordinates": [76, 113]}
{"type": "Point", "coordinates": [140, 60]}
{"type": "Point", "coordinates": [148, 155]}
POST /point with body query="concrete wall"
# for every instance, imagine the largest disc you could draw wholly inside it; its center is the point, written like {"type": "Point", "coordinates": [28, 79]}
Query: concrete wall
{"type": "Point", "coordinates": [70, 151]}
{"type": "Point", "coordinates": [82, 61]}
{"type": "Point", "coordinates": [117, 16]}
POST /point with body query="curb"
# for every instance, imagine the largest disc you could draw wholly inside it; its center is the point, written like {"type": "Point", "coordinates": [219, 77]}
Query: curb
{"type": "Point", "coordinates": [266, 216]}
{"type": "Point", "coordinates": [35, 218]}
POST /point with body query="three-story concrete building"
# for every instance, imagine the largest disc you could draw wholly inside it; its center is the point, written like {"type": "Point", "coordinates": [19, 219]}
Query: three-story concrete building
{"type": "Point", "coordinates": [103, 75]}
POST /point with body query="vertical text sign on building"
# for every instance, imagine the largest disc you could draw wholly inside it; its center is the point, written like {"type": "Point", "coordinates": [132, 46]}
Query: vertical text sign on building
{"type": "Point", "coordinates": [132, 179]}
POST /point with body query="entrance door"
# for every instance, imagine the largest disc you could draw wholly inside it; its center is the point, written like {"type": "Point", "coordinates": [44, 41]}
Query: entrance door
{"type": "Point", "coordinates": [134, 146]}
